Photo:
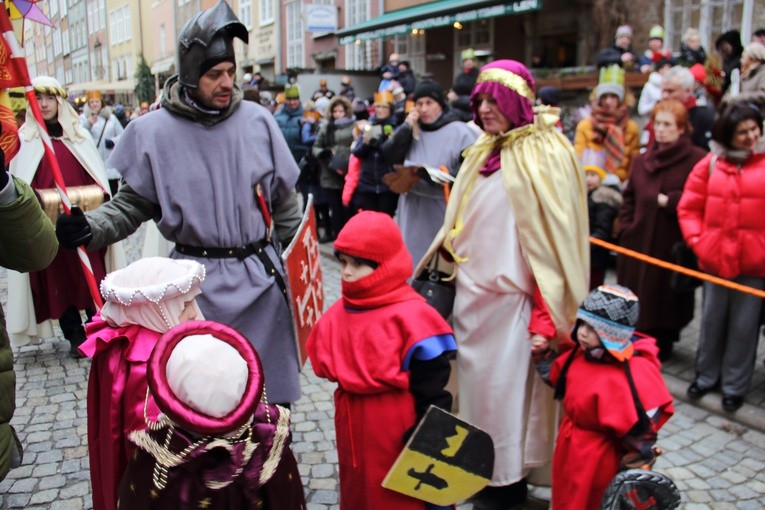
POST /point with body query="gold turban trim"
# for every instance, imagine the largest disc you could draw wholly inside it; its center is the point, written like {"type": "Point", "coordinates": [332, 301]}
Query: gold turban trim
{"type": "Point", "coordinates": [509, 80]}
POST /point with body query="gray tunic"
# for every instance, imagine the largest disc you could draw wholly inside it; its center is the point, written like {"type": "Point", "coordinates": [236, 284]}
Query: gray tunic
{"type": "Point", "coordinates": [204, 179]}
{"type": "Point", "coordinates": [421, 211]}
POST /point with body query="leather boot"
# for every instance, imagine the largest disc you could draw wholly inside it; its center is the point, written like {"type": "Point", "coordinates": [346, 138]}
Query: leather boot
{"type": "Point", "coordinates": [70, 323]}
{"type": "Point", "coordinates": [74, 343]}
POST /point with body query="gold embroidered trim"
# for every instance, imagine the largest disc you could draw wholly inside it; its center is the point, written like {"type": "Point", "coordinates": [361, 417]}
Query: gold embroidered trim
{"type": "Point", "coordinates": [509, 80]}
{"type": "Point", "coordinates": [50, 91]}
{"type": "Point", "coordinates": [249, 449]}
{"type": "Point", "coordinates": [166, 459]}
{"type": "Point", "coordinates": [280, 440]}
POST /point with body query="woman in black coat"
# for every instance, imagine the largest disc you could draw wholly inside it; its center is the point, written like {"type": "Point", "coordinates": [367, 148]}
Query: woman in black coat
{"type": "Point", "coordinates": [371, 193]}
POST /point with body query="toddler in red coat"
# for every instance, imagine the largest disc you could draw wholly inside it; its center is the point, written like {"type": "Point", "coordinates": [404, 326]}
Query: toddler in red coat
{"type": "Point", "coordinates": [614, 398]}
{"type": "Point", "coordinates": [388, 350]}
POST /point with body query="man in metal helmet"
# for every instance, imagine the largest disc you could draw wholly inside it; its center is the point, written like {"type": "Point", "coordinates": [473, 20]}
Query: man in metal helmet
{"type": "Point", "coordinates": [201, 166]}
{"type": "Point", "coordinates": [206, 40]}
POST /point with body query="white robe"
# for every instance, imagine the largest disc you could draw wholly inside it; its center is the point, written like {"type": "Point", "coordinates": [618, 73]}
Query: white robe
{"type": "Point", "coordinates": [499, 389]}
{"type": "Point", "coordinates": [21, 320]}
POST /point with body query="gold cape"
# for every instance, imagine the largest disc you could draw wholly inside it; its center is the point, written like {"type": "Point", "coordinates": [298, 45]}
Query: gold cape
{"type": "Point", "coordinates": [547, 194]}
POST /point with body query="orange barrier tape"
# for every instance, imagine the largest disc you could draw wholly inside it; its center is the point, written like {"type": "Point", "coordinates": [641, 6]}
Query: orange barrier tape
{"type": "Point", "coordinates": [680, 269]}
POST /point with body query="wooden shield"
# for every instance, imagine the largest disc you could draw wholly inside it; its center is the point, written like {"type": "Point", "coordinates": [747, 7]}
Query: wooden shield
{"type": "Point", "coordinates": [304, 281]}
{"type": "Point", "coordinates": [445, 461]}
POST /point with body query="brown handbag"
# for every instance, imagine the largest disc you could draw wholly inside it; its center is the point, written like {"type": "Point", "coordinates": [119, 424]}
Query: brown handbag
{"type": "Point", "coordinates": [401, 179]}
{"type": "Point", "coordinates": [85, 197]}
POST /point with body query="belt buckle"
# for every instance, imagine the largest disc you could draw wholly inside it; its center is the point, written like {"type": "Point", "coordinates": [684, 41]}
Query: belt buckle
{"type": "Point", "coordinates": [242, 252]}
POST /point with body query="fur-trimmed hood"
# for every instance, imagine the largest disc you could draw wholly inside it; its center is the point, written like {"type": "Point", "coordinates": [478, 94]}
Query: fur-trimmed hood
{"type": "Point", "coordinates": [607, 195]}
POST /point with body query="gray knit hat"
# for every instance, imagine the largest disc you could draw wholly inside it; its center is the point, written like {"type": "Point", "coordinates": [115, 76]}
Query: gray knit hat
{"type": "Point", "coordinates": [623, 31]}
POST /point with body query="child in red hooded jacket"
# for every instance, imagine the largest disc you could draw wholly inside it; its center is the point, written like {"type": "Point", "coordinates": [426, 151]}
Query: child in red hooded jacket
{"type": "Point", "coordinates": [614, 398]}
{"type": "Point", "coordinates": [388, 351]}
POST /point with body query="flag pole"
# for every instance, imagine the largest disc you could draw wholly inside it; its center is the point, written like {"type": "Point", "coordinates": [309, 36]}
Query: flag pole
{"type": "Point", "coordinates": [17, 63]}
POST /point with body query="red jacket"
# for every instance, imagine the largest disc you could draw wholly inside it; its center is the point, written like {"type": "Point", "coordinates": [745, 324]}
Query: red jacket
{"type": "Point", "coordinates": [721, 216]}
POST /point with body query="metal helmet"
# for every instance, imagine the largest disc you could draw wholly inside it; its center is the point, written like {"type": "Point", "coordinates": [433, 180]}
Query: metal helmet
{"type": "Point", "coordinates": [207, 39]}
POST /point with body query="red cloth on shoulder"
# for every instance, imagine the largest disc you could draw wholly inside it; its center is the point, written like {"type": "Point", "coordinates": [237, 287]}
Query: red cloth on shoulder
{"type": "Point", "coordinates": [117, 388]}
{"type": "Point", "coordinates": [599, 411]}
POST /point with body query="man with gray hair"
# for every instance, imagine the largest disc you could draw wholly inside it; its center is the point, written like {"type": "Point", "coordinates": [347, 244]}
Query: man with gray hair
{"type": "Point", "coordinates": [211, 170]}
{"type": "Point", "coordinates": [678, 84]}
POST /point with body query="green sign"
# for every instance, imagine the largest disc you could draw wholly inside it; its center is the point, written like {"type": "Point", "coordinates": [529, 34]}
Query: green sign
{"type": "Point", "coordinates": [517, 7]}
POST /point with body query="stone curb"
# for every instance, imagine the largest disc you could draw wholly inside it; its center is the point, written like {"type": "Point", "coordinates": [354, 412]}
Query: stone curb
{"type": "Point", "coordinates": [749, 415]}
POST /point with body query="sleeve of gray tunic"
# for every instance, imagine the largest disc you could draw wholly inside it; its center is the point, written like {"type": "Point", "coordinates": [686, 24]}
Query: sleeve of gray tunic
{"type": "Point", "coordinates": [119, 217]}
{"type": "Point", "coordinates": [287, 218]}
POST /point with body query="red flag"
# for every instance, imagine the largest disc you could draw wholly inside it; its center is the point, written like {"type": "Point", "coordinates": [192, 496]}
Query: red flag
{"type": "Point", "coordinates": [9, 138]}
{"type": "Point", "coordinates": [13, 73]}
{"type": "Point", "coordinates": [13, 67]}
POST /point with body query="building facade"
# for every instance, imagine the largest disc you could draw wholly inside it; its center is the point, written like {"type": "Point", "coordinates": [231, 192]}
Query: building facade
{"type": "Point", "coordinates": [99, 43]}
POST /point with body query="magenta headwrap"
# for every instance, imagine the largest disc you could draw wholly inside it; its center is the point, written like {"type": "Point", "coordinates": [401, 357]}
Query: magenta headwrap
{"type": "Point", "coordinates": [181, 413]}
{"type": "Point", "coordinates": [510, 84]}
{"type": "Point", "coordinates": [512, 87]}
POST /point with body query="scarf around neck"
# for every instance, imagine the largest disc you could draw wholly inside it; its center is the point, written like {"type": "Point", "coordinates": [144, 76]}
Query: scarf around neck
{"type": "Point", "coordinates": [376, 290]}
{"type": "Point", "coordinates": [608, 128]}
{"type": "Point", "coordinates": [175, 98]}
{"type": "Point", "coordinates": [660, 157]}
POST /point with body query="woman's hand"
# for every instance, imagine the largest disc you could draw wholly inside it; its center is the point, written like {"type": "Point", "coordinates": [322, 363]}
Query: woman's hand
{"type": "Point", "coordinates": [662, 200]}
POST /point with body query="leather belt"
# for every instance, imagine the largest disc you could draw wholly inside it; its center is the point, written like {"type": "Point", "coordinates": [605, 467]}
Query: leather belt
{"type": "Point", "coordinates": [240, 252]}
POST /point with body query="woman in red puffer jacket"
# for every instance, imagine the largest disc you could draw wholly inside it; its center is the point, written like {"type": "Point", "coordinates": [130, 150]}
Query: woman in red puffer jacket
{"type": "Point", "coordinates": [721, 217]}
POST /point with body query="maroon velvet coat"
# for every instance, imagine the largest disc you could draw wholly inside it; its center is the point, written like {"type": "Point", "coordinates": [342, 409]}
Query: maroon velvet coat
{"type": "Point", "coordinates": [653, 230]}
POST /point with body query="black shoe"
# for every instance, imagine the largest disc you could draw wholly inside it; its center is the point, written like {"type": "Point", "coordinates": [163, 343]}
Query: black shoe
{"type": "Point", "coordinates": [74, 352]}
{"type": "Point", "coordinates": [732, 403]}
{"type": "Point", "coordinates": [76, 339]}
{"type": "Point", "coordinates": [695, 391]}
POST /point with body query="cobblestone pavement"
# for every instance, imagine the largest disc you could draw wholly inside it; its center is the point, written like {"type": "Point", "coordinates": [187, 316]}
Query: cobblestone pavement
{"type": "Point", "coordinates": [717, 460]}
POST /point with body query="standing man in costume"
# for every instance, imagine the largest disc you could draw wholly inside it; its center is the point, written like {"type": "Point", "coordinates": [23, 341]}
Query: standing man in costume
{"type": "Point", "coordinates": [203, 186]}
{"type": "Point", "coordinates": [58, 292]}
{"type": "Point", "coordinates": [105, 128]}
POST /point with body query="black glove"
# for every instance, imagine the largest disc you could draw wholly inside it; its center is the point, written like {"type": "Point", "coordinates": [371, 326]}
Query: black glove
{"type": "Point", "coordinates": [109, 144]}
{"type": "Point", "coordinates": [73, 230]}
